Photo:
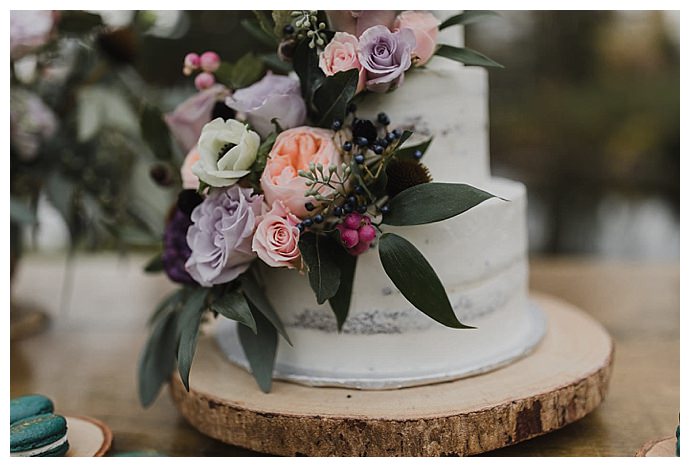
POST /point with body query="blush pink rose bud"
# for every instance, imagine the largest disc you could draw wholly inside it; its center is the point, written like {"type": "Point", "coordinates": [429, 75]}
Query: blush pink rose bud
{"type": "Point", "coordinates": [341, 55]}
{"type": "Point", "coordinates": [209, 61]}
{"type": "Point", "coordinates": [189, 180]}
{"type": "Point", "coordinates": [424, 25]}
{"type": "Point", "coordinates": [276, 240]}
{"type": "Point", "coordinates": [367, 234]}
{"type": "Point", "coordinates": [353, 220]}
{"type": "Point", "coordinates": [294, 150]}
{"type": "Point", "coordinates": [349, 237]}
{"type": "Point", "coordinates": [204, 81]}
{"type": "Point", "coordinates": [191, 63]}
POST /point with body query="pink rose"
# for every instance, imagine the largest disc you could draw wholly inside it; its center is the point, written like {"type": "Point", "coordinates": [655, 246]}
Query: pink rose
{"type": "Point", "coordinates": [341, 55]}
{"type": "Point", "coordinates": [276, 240]}
{"type": "Point", "coordinates": [187, 120]}
{"type": "Point", "coordinates": [357, 21]}
{"type": "Point", "coordinates": [189, 180]}
{"type": "Point", "coordinates": [293, 150]}
{"type": "Point", "coordinates": [424, 25]}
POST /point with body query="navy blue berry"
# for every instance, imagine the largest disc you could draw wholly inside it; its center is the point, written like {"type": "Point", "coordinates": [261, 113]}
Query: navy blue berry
{"type": "Point", "coordinates": [378, 149]}
{"type": "Point", "coordinates": [347, 146]}
{"type": "Point", "coordinates": [362, 208]}
{"type": "Point", "coordinates": [336, 125]}
{"type": "Point", "coordinates": [417, 154]}
{"type": "Point", "coordinates": [337, 211]}
{"type": "Point", "coordinates": [309, 206]}
{"type": "Point", "coordinates": [307, 222]}
{"type": "Point", "coordinates": [361, 141]}
{"type": "Point", "coordinates": [318, 219]}
{"type": "Point", "coordinates": [359, 158]}
{"type": "Point", "coordinates": [383, 119]}
{"type": "Point", "coordinates": [385, 209]}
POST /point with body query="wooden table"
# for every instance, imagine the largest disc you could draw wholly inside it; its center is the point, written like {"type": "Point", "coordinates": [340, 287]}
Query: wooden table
{"type": "Point", "coordinates": [86, 361]}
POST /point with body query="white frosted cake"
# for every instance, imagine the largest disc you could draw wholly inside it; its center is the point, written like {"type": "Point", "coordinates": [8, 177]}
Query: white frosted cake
{"type": "Point", "coordinates": [480, 256]}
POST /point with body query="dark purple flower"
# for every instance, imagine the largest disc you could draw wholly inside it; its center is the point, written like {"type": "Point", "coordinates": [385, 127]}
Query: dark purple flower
{"type": "Point", "coordinates": [175, 248]}
{"type": "Point", "coordinates": [385, 56]}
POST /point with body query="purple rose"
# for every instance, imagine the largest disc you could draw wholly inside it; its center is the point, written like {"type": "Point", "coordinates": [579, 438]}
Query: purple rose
{"type": "Point", "coordinates": [187, 120]}
{"type": "Point", "coordinates": [275, 96]}
{"type": "Point", "coordinates": [385, 56]}
{"type": "Point", "coordinates": [221, 235]}
{"type": "Point", "coordinates": [357, 21]}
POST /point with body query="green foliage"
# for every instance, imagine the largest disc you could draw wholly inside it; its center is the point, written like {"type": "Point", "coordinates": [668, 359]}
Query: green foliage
{"type": "Point", "coordinates": [468, 17]}
{"type": "Point", "coordinates": [466, 56]}
{"type": "Point", "coordinates": [333, 96]}
{"type": "Point", "coordinates": [76, 22]}
{"type": "Point", "coordinates": [20, 212]}
{"type": "Point", "coordinates": [340, 302]}
{"type": "Point", "coordinates": [415, 278]}
{"type": "Point", "coordinates": [433, 202]}
{"type": "Point", "coordinates": [408, 152]}
{"type": "Point", "coordinates": [258, 301]}
{"type": "Point", "coordinates": [244, 72]}
{"type": "Point", "coordinates": [306, 64]}
{"type": "Point", "coordinates": [155, 132]}
{"type": "Point", "coordinates": [157, 361]}
{"type": "Point", "coordinates": [155, 264]}
{"type": "Point", "coordinates": [260, 349]}
{"type": "Point", "coordinates": [319, 253]}
{"type": "Point", "coordinates": [233, 305]}
{"type": "Point", "coordinates": [188, 331]}
{"type": "Point", "coordinates": [253, 27]}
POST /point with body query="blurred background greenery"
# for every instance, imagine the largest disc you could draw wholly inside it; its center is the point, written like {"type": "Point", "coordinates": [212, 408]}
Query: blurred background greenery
{"type": "Point", "coordinates": [586, 114]}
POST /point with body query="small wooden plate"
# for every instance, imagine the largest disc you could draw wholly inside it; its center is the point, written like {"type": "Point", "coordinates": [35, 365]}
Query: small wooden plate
{"type": "Point", "coordinates": [658, 448]}
{"type": "Point", "coordinates": [564, 379]}
{"type": "Point", "coordinates": [87, 437]}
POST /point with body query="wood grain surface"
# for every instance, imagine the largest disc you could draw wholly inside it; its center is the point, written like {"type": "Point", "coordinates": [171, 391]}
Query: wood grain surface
{"type": "Point", "coordinates": [561, 381]}
{"type": "Point", "coordinates": [86, 361]}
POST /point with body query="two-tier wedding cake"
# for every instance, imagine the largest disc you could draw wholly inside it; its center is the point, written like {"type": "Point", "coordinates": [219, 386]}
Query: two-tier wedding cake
{"type": "Point", "coordinates": [338, 214]}
{"type": "Point", "coordinates": [480, 257]}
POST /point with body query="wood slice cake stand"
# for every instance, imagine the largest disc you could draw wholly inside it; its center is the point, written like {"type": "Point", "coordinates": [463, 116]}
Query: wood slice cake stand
{"type": "Point", "coordinates": [658, 448]}
{"type": "Point", "coordinates": [564, 379]}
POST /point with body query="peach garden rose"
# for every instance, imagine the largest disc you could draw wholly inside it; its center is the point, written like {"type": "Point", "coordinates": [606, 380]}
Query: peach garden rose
{"type": "Point", "coordinates": [424, 25]}
{"type": "Point", "coordinates": [341, 55]}
{"type": "Point", "coordinates": [293, 150]}
{"type": "Point", "coordinates": [276, 240]}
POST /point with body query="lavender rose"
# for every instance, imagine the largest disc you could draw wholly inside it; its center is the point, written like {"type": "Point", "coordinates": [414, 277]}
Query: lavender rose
{"type": "Point", "coordinates": [274, 96]}
{"type": "Point", "coordinates": [385, 56]}
{"type": "Point", "coordinates": [221, 235]}
{"type": "Point", "coordinates": [187, 120]}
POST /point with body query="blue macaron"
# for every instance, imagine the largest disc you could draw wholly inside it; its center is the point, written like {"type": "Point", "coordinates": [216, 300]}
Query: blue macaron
{"type": "Point", "coordinates": [40, 436]}
{"type": "Point", "coordinates": [29, 406]}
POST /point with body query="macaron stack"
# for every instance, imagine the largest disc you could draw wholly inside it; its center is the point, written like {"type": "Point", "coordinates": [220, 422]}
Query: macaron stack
{"type": "Point", "coordinates": [35, 431]}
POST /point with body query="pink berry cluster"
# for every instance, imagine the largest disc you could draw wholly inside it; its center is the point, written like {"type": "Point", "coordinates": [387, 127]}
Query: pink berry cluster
{"type": "Point", "coordinates": [356, 233]}
{"type": "Point", "coordinates": [208, 63]}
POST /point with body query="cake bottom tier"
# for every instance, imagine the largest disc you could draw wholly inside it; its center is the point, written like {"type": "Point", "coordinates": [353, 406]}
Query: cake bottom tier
{"type": "Point", "coordinates": [480, 256]}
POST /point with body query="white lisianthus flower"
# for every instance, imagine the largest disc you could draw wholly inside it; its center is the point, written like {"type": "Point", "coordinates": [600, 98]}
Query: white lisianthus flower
{"type": "Point", "coordinates": [227, 149]}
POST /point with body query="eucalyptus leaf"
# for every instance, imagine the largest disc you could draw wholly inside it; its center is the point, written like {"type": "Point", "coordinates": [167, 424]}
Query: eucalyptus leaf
{"type": "Point", "coordinates": [246, 71]}
{"type": "Point", "coordinates": [232, 305]}
{"type": "Point", "coordinates": [276, 64]}
{"type": "Point", "coordinates": [257, 298]}
{"type": "Point", "coordinates": [319, 254]}
{"type": "Point", "coordinates": [20, 212]}
{"type": "Point", "coordinates": [466, 56]}
{"type": "Point", "coordinates": [408, 152]}
{"type": "Point", "coordinates": [157, 361]}
{"type": "Point", "coordinates": [433, 202]}
{"type": "Point", "coordinates": [260, 349]}
{"type": "Point", "coordinates": [171, 301]}
{"type": "Point", "coordinates": [253, 28]}
{"type": "Point", "coordinates": [188, 331]}
{"type": "Point", "coordinates": [155, 264]}
{"type": "Point", "coordinates": [415, 278]}
{"type": "Point", "coordinates": [340, 302]}
{"type": "Point", "coordinates": [468, 17]}
{"type": "Point", "coordinates": [335, 93]}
